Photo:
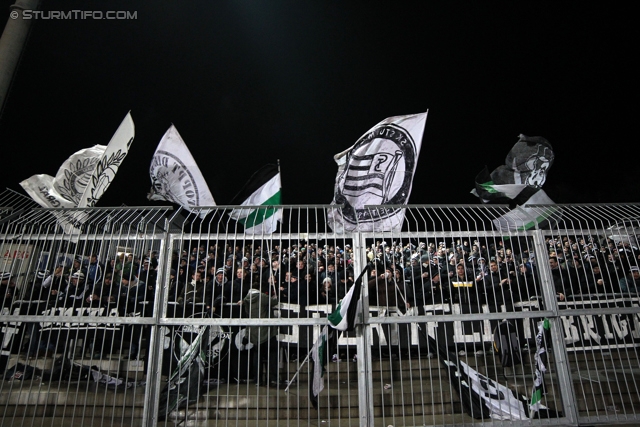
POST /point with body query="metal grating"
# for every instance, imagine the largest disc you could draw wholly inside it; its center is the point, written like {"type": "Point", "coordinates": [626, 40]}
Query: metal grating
{"type": "Point", "coordinates": [180, 349]}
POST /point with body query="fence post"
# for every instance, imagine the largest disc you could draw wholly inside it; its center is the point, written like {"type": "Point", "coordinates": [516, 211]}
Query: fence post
{"type": "Point", "coordinates": [363, 348]}
{"type": "Point", "coordinates": [154, 374]}
{"type": "Point", "coordinates": [567, 392]}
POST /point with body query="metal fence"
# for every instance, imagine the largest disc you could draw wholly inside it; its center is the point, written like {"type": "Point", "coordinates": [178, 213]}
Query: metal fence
{"type": "Point", "coordinates": [178, 319]}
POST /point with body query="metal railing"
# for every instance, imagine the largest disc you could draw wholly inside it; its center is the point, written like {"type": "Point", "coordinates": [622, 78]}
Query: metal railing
{"type": "Point", "coordinates": [154, 332]}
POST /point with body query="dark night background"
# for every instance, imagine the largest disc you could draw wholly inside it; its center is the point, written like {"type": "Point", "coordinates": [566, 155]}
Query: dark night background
{"type": "Point", "coordinates": [250, 82]}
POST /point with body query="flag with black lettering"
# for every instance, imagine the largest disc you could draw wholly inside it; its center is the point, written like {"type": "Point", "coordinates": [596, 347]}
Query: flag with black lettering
{"type": "Point", "coordinates": [175, 176]}
{"type": "Point", "coordinates": [540, 368]}
{"type": "Point", "coordinates": [377, 170]}
{"type": "Point", "coordinates": [66, 188]}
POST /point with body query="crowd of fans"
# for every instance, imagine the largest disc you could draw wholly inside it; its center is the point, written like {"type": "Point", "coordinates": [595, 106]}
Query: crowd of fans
{"type": "Point", "coordinates": [216, 278]}
{"type": "Point", "coordinates": [400, 274]}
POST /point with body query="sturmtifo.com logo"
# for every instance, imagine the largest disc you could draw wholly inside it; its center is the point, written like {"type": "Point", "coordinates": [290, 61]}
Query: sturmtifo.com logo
{"type": "Point", "coordinates": [29, 14]}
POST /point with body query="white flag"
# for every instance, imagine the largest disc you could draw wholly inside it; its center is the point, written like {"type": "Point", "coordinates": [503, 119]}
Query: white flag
{"type": "Point", "coordinates": [108, 163]}
{"type": "Point", "coordinates": [65, 189]}
{"type": "Point", "coordinates": [377, 170]}
{"type": "Point", "coordinates": [82, 179]}
{"type": "Point", "coordinates": [263, 189]}
{"type": "Point", "coordinates": [523, 218]}
{"type": "Point", "coordinates": [175, 176]}
{"type": "Point", "coordinates": [501, 401]}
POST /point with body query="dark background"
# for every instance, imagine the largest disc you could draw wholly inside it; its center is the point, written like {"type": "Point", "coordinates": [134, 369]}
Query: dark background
{"type": "Point", "coordinates": [250, 82]}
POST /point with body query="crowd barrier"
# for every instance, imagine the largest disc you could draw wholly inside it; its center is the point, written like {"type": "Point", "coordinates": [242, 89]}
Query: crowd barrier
{"type": "Point", "coordinates": [156, 356]}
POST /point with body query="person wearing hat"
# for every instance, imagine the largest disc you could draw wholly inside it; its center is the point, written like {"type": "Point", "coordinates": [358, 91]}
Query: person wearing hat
{"type": "Point", "coordinates": [258, 305]}
{"type": "Point", "coordinates": [214, 291]}
{"type": "Point", "coordinates": [73, 294]}
{"type": "Point", "coordinates": [78, 266]}
{"type": "Point", "coordinates": [383, 289]}
{"type": "Point", "coordinates": [337, 280]}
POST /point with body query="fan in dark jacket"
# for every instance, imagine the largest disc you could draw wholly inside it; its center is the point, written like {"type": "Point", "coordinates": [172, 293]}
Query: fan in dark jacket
{"type": "Point", "coordinates": [258, 305]}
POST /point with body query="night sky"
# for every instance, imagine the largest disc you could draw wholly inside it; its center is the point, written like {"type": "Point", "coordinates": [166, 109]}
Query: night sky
{"type": "Point", "coordinates": [250, 82]}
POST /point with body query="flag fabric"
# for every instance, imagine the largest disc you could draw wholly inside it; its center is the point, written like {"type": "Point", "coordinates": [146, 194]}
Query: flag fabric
{"type": "Point", "coordinates": [65, 189]}
{"type": "Point", "coordinates": [377, 170]}
{"type": "Point", "coordinates": [85, 176]}
{"type": "Point", "coordinates": [519, 181]}
{"type": "Point", "coordinates": [82, 179]}
{"type": "Point", "coordinates": [109, 381]}
{"type": "Point", "coordinates": [262, 189]}
{"type": "Point", "coordinates": [344, 316]}
{"type": "Point", "coordinates": [541, 367]}
{"type": "Point", "coordinates": [500, 401]}
{"type": "Point", "coordinates": [109, 163]}
{"type": "Point", "coordinates": [175, 176]}
{"type": "Point", "coordinates": [533, 214]}
{"type": "Point", "coordinates": [481, 397]}
{"type": "Point", "coordinates": [319, 361]}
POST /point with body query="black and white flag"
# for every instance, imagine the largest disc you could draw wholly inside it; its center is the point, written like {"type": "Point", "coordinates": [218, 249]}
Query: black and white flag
{"type": "Point", "coordinates": [175, 176]}
{"type": "Point", "coordinates": [519, 181]}
{"type": "Point", "coordinates": [377, 170]}
{"type": "Point", "coordinates": [82, 179]}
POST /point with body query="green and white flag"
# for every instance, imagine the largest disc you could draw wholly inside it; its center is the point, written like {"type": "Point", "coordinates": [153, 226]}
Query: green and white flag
{"type": "Point", "coordinates": [263, 189]}
{"type": "Point", "coordinates": [344, 316]}
{"type": "Point", "coordinates": [319, 359]}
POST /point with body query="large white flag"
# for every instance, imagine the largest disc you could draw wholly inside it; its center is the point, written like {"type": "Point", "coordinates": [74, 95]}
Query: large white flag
{"type": "Point", "coordinates": [500, 400]}
{"type": "Point", "coordinates": [65, 189]}
{"type": "Point", "coordinates": [83, 178]}
{"type": "Point", "coordinates": [263, 189]}
{"type": "Point", "coordinates": [175, 176]}
{"type": "Point", "coordinates": [109, 163]}
{"type": "Point", "coordinates": [377, 170]}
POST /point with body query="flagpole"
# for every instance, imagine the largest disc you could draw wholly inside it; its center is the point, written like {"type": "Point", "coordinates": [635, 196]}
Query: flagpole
{"type": "Point", "coordinates": [280, 173]}
{"type": "Point", "coordinates": [298, 371]}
